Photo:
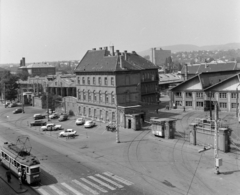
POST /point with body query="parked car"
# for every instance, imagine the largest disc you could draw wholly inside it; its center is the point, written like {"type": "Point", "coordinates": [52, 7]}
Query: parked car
{"type": "Point", "coordinates": [67, 132]}
{"type": "Point", "coordinates": [51, 127]}
{"type": "Point", "coordinates": [38, 123]}
{"type": "Point", "coordinates": [6, 104]}
{"type": "Point", "coordinates": [63, 117]}
{"type": "Point", "coordinates": [89, 124]}
{"type": "Point", "coordinates": [18, 110]}
{"type": "Point", "coordinates": [80, 121]}
{"type": "Point", "coordinates": [12, 105]}
{"type": "Point", "coordinates": [38, 116]}
{"type": "Point", "coordinates": [53, 116]}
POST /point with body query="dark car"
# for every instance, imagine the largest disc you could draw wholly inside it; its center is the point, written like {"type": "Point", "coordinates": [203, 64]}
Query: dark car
{"type": "Point", "coordinates": [12, 105]}
{"type": "Point", "coordinates": [38, 123]}
{"type": "Point", "coordinates": [18, 110]}
{"type": "Point", "coordinates": [63, 117]}
{"type": "Point", "coordinates": [38, 116]}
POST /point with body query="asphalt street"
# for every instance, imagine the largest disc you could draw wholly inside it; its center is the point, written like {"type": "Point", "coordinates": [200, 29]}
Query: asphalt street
{"type": "Point", "coordinates": [93, 163]}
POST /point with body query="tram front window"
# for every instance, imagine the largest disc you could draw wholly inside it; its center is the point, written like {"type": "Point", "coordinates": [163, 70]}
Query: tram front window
{"type": "Point", "coordinates": [34, 170]}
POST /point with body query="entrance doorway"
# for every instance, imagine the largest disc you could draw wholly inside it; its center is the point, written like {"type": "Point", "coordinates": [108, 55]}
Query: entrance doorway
{"type": "Point", "coordinates": [208, 105]}
{"type": "Point", "coordinates": [129, 124]}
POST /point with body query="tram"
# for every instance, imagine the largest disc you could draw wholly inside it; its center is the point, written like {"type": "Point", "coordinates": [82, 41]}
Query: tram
{"type": "Point", "coordinates": [16, 159]}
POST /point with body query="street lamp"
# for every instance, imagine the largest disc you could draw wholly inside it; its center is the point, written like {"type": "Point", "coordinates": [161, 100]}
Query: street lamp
{"type": "Point", "coordinates": [237, 100]}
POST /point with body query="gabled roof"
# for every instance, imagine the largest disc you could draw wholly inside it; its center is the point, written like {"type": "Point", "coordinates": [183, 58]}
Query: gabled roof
{"type": "Point", "coordinates": [101, 60]}
{"type": "Point", "coordinates": [210, 67]}
{"type": "Point", "coordinates": [208, 79]}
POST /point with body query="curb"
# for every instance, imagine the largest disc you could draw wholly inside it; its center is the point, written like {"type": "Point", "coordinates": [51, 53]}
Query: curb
{"type": "Point", "coordinates": [16, 191]}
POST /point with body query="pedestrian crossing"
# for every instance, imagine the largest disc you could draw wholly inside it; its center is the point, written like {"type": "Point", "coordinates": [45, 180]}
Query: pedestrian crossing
{"type": "Point", "coordinates": [94, 185]}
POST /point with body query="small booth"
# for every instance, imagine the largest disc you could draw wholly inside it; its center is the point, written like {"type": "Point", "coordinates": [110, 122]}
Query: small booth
{"type": "Point", "coordinates": [163, 127]}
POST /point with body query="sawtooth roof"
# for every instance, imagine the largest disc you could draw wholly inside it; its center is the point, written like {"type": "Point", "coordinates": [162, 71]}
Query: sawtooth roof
{"type": "Point", "coordinates": [210, 67]}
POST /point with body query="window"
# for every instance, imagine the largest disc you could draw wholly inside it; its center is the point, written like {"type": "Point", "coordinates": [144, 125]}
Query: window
{"type": "Point", "coordinates": [89, 96]}
{"type": "Point", "coordinates": [223, 105]}
{"type": "Point", "coordinates": [106, 97]}
{"type": "Point", "coordinates": [178, 94]}
{"type": "Point", "coordinates": [113, 117]}
{"type": "Point", "coordinates": [101, 116]}
{"type": "Point", "coordinates": [189, 94]}
{"type": "Point", "coordinates": [94, 113]}
{"type": "Point", "coordinates": [89, 112]}
{"type": "Point", "coordinates": [100, 97]}
{"type": "Point", "coordinates": [199, 104]}
{"type": "Point", "coordinates": [88, 80]}
{"type": "Point", "coordinates": [188, 103]}
{"type": "Point", "coordinates": [84, 95]}
{"type": "Point", "coordinates": [105, 81]}
{"type": "Point", "coordinates": [79, 109]}
{"type": "Point", "coordinates": [99, 80]}
{"type": "Point", "coordinates": [199, 94]}
{"type": "Point", "coordinates": [94, 96]}
{"type": "Point", "coordinates": [94, 81]}
{"type": "Point", "coordinates": [84, 111]}
{"type": "Point", "coordinates": [223, 95]}
{"type": "Point", "coordinates": [112, 81]}
{"type": "Point", "coordinates": [178, 103]}
{"type": "Point", "coordinates": [113, 99]}
{"type": "Point", "coordinates": [234, 95]}
{"type": "Point", "coordinates": [107, 117]}
{"type": "Point", "coordinates": [79, 94]}
{"type": "Point", "coordinates": [210, 94]}
{"type": "Point", "coordinates": [233, 105]}
{"type": "Point", "coordinates": [83, 80]}
{"type": "Point", "coordinates": [78, 80]}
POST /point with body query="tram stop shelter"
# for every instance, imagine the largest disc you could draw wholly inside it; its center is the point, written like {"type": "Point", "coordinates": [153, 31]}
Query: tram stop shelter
{"type": "Point", "coordinates": [163, 127]}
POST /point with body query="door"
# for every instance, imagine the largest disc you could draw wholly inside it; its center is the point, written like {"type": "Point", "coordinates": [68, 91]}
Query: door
{"type": "Point", "coordinates": [129, 124]}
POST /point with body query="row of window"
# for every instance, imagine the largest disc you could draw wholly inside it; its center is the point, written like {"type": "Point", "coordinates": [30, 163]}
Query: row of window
{"type": "Point", "coordinates": [209, 95]}
{"type": "Point", "coordinates": [95, 81]}
{"type": "Point", "coordinates": [149, 76]}
{"type": "Point", "coordinates": [96, 96]}
{"type": "Point", "coordinates": [97, 114]}
{"type": "Point", "coordinates": [12, 161]}
{"type": "Point", "coordinates": [200, 104]}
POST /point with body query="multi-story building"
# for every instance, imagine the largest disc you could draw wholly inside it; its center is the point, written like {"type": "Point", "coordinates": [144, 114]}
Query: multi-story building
{"type": "Point", "coordinates": [109, 81]}
{"type": "Point", "coordinates": [37, 69]}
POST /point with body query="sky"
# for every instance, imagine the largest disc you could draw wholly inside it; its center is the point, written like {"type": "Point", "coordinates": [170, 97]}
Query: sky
{"type": "Point", "coordinates": [55, 30]}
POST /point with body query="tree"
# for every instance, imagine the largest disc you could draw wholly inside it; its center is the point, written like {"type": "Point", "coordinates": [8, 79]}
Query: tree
{"type": "Point", "coordinates": [23, 75]}
{"type": "Point", "coordinates": [54, 101]}
{"type": "Point", "coordinates": [11, 87]}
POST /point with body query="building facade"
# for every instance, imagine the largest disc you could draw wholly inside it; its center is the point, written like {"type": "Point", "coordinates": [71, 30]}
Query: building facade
{"type": "Point", "coordinates": [110, 85]}
{"type": "Point", "coordinates": [203, 90]}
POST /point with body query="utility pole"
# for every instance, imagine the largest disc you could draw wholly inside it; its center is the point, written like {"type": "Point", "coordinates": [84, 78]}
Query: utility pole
{"type": "Point", "coordinates": [22, 101]}
{"type": "Point", "coordinates": [117, 126]}
{"type": "Point", "coordinates": [47, 102]}
{"type": "Point", "coordinates": [218, 161]}
{"type": "Point", "coordinates": [210, 105]}
{"type": "Point", "coordinates": [4, 90]}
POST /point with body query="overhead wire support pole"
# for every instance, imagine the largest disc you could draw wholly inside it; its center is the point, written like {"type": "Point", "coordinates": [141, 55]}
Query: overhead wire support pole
{"type": "Point", "coordinates": [47, 102]}
{"type": "Point", "coordinates": [237, 107]}
{"type": "Point", "coordinates": [216, 157]}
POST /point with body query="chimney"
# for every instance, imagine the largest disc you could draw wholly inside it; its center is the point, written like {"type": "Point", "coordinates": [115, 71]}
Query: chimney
{"type": "Point", "coordinates": [106, 48]}
{"type": "Point", "coordinates": [23, 61]}
{"type": "Point", "coordinates": [100, 48]}
{"type": "Point", "coordinates": [121, 62]}
{"type": "Point", "coordinates": [111, 48]}
{"type": "Point", "coordinates": [186, 72]}
{"type": "Point", "coordinates": [134, 52]}
{"type": "Point", "coordinates": [20, 63]}
{"type": "Point", "coordinates": [94, 49]}
{"type": "Point", "coordinates": [125, 55]}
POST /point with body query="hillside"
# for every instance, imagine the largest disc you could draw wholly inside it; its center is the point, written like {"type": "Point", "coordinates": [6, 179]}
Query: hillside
{"type": "Point", "coordinates": [186, 47]}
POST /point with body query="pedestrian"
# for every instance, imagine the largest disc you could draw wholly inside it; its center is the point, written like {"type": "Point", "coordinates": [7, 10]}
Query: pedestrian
{"type": "Point", "coordinates": [8, 174]}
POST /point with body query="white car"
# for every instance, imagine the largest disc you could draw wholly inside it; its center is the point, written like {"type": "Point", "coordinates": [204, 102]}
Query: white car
{"type": "Point", "coordinates": [80, 121]}
{"type": "Point", "coordinates": [51, 127]}
{"type": "Point", "coordinates": [67, 132]}
{"type": "Point", "coordinates": [89, 124]}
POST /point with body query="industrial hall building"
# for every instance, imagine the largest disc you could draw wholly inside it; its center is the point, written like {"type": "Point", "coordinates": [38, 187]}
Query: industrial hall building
{"type": "Point", "coordinates": [201, 91]}
{"type": "Point", "coordinates": [112, 86]}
